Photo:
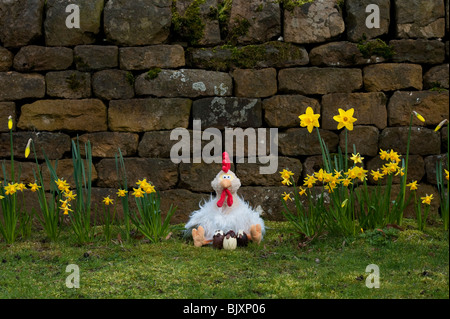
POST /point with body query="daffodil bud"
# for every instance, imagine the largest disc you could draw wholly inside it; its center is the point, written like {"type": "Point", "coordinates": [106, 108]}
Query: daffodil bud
{"type": "Point", "coordinates": [344, 203]}
{"type": "Point", "coordinates": [440, 125]}
{"type": "Point", "coordinates": [27, 149]}
{"type": "Point", "coordinates": [420, 117]}
{"type": "Point", "coordinates": [10, 122]}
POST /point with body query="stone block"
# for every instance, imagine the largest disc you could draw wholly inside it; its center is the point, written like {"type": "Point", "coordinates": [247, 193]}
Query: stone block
{"type": "Point", "coordinates": [70, 115]}
{"type": "Point", "coordinates": [155, 56]}
{"type": "Point", "coordinates": [18, 86]}
{"type": "Point", "coordinates": [96, 57]}
{"type": "Point", "coordinates": [140, 115]}
{"type": "Point", "coordinates": [20, 22]}
{"type": "Point", "coordinates": [314, 80]}
{"type": "Point", "coordinates": [419, 19]}
{"type": "Point", "coordinates": [6, 59]}
{"type": "Point", "coordinates": [392, 76]}
{"type": "Point", "coordinates": [58, 34]}
{"type": "Point", "coordinates": [273, 54]}
{"type": "Point", "coordinates": [113, 85]}
{"type": "Point", "coordinates": [254, 21]}
{"type": "Point", "coordinates": [418, 51]}
{"type": "Point", "coordinates": [39, 58]}
{"type": "Point", "coordinates": [185, 83]}
{"type": "Point", "coordinates": [365, 139]}
{"type": "Point", "coordinates": [282, 111]}
{"type": "Point", "coordinates": [139, 22]}
{"type": "Point", "coordinates": [356, 16]}
{"type": "Point", "coordinates": [437, 76]}
{"type": "Point", "coordinates": [370, 108]}
{"type": "Point", "coordinates": [68, 84]}
{"type": "Point", "coordinates": [299, 142]}
{"type": "Point", "coordinates": [255, 83]}
{"type": "Point", "coordinates": [221, 112]}
{"type": "Point", "coordinates": [107, 144]}
{"type": "Point", "coordinates": [337, 54]}
{"type": "Point", "coordinates": [313, 22]}
{"type": "Point", "coordinates": [432, 105]}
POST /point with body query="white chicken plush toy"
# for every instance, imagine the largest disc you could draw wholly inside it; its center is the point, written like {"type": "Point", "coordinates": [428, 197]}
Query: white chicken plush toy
{"type": "Point", "coordinates": [226, 212]}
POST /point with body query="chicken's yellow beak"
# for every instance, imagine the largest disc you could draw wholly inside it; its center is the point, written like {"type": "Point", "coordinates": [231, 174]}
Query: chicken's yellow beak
{"type": "Point", "coordinates": [225, 183]}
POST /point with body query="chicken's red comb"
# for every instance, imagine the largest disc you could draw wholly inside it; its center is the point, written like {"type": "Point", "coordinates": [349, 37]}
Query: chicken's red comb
{"type": "Point", "coordinates": [226, 164]}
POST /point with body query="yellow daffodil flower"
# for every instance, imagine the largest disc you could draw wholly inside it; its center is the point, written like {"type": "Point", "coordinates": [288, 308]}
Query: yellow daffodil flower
{"type": "Point", "coordinates": [62, 185]}
{"type": "Point", "coordinates": [427, 199]}
{"type": "Point", "coordinates": [394, 156]}
{"type": "Point", "coordinates": [358, 172]}
{"type": "Point", "coordinates": [138, 192]}
{"type": "Point", "coordinates": [327, 177]}
{"type": "Point", "coordinates": [356, 158]}
{"type": "Point", "coordinates": [390, 168]}
{"type": "Point", "coordinates": [285, 174]}
{"type": "Point", "coordinates": [446, 174]}
{"type": "Point", "coordinates": [320, 175]}
{"type": "Point", "coordinates": [337, 174]}
{"type": "Point", "coordinates": [70, 195]}
{"type": "Point", "coordinates": [346, 181]}
{"type": "Point", "coordinates": [33, 187]}
{"type": "Point", "coordinates": [330, 187]}
{"type": "Point", "coordinates": [351, 173]}
{"type": "Point", "coordinates": [309, 119]}
{"type": "Point", "coordinates": [384, 155]}
{"type": "Point", "coordinates": [400, 171]}
{"type": "Point", "coordinates": [1, 197]}
{"type": "Point", "coordinates": [66, 210]}
{"type": "Point", "coordinates": [107, 201]}
{"type": "Point", "coordinates": [376, 175]}
{"type": "Point", "coordinates": [10, 189]}
{"type": "Point", "coordinates": [420, 117]}
{"type": "Point", "coordinates": [412, 186]}
{"type": "Point", "coordinates": [149, 189]}
{"type": "Point", "coordinates": [65, 203]}
{"type": "Point", "coordinates": [309, 181]}
{"type": "Point", "coordinates": [286, 196]}
{"type": "Point", "coordinates": [345, 119]}
{"type": "Point", "coordinates": [143, 183]}
{"type": "Point", "coordinates": [302, 191]}
{"type": "Point", "coordinates": [122, 193]}
{"type": "Point", "coordinates": [21, 187]}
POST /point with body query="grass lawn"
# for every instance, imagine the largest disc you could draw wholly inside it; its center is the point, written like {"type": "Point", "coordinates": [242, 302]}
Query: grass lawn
{"type": "Point", "coordinates": [412, 264]}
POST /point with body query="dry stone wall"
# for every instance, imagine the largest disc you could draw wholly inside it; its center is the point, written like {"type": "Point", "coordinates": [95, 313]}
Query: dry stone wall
{"type": "Point", "coordinates": [135, 70]}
